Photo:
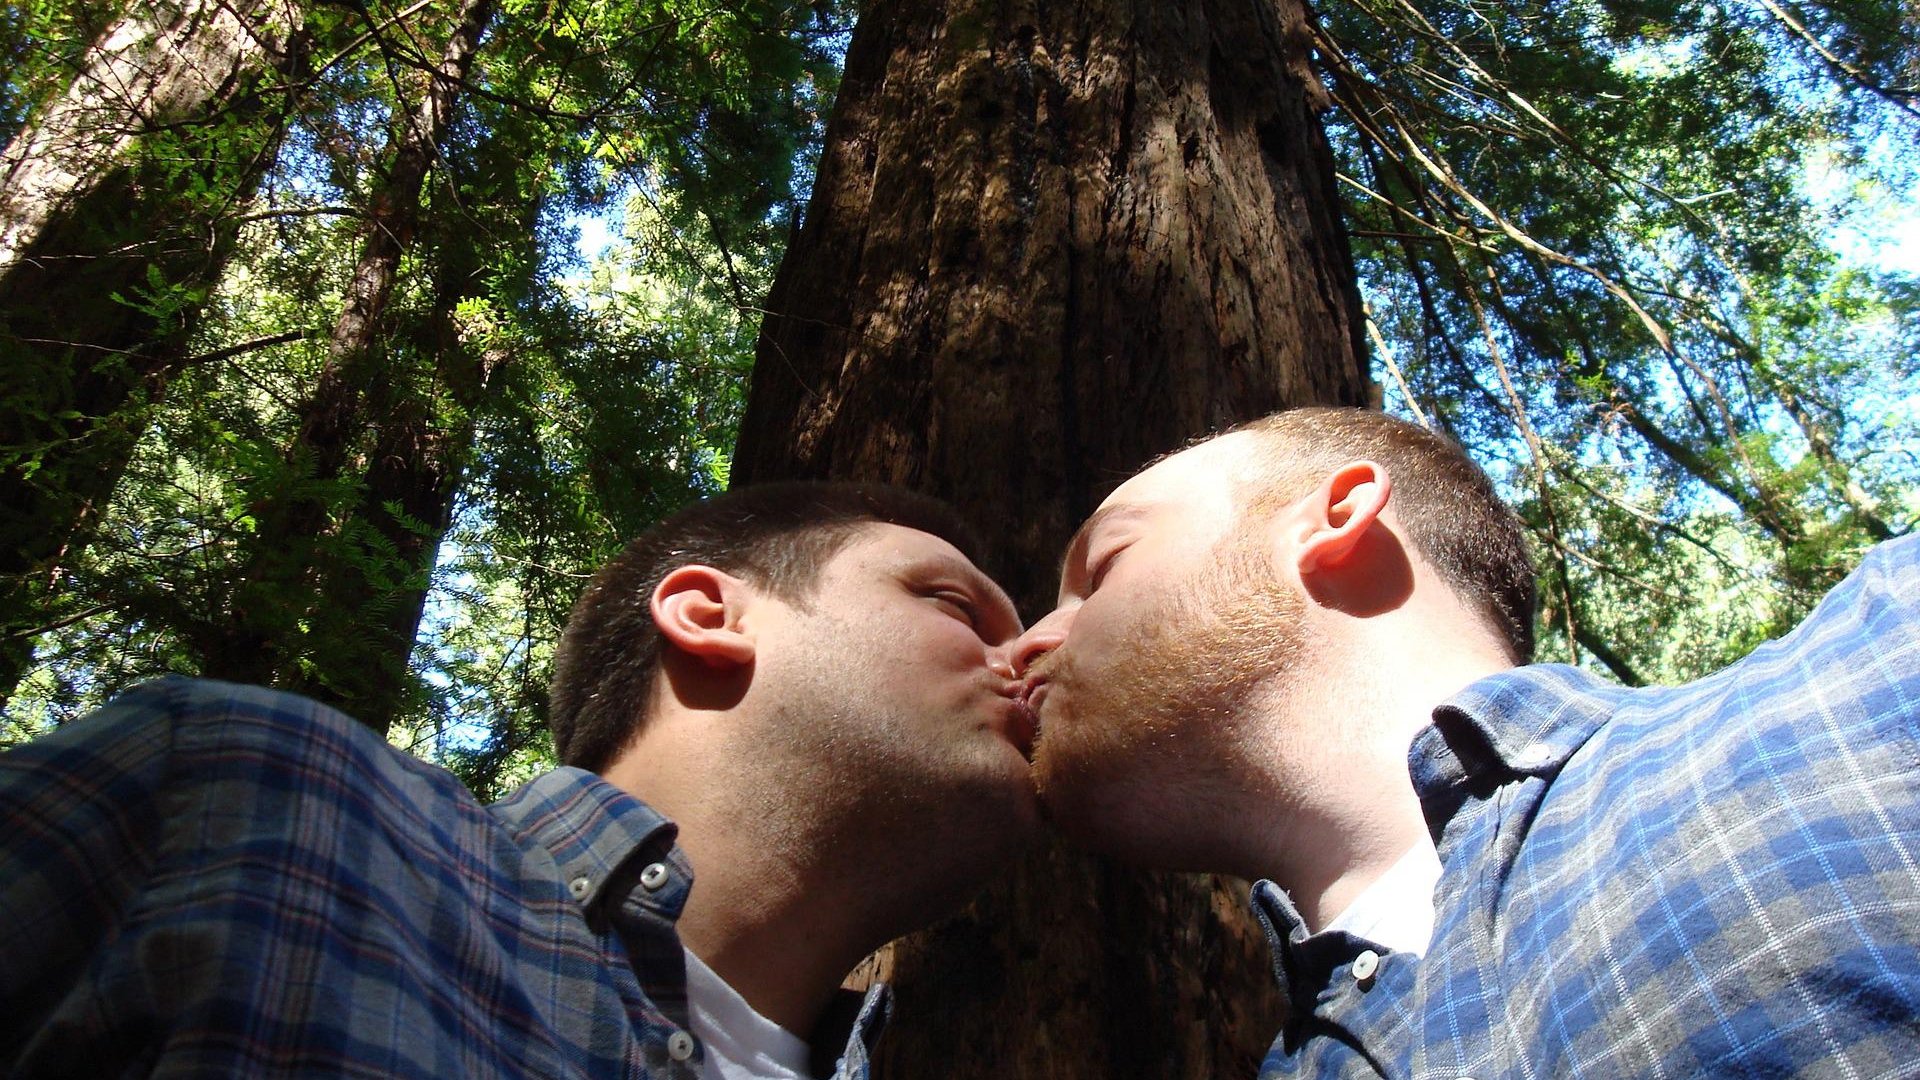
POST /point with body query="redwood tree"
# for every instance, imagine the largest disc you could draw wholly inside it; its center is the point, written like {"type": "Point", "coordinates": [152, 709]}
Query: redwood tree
{"type": "Point", "coordinates": [119, 202]}
{"type": "Point", "coordinates": [410, 466]}
{"type": "Point", "coordinates": [1046, 243]}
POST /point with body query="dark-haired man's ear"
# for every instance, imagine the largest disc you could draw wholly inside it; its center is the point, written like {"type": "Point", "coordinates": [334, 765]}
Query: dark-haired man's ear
{"type": "Point", "coordinates": [1331, 522]}
{"type": "Point", "coordinates": [697, 609]}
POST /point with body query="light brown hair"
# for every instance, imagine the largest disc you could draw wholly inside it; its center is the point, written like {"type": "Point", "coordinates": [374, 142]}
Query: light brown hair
{"type": "Point", "coordinates": [1446, 504]}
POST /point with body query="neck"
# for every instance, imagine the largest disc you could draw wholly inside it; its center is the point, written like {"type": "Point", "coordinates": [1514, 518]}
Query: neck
{"type": "Point", "coordinates": [777, 909]}
{"type": "Point", "coordinates": [1337, 766]}
{"type": "Point", "coordinates": [774, 927]}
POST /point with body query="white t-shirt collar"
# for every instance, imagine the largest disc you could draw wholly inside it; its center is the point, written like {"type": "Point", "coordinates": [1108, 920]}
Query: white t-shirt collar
{"type": "Point", "coordinates": [740, 1043]}
{"type": "Point", "coordinates": [1397, 909]}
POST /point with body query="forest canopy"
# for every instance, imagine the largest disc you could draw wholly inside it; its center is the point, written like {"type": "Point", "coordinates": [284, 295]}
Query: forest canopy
{"type": "Point", "coordinates": [342, 342]}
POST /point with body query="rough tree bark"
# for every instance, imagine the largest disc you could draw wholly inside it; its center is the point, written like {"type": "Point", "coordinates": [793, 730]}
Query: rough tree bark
{"type": "Point", "coordinates": [180, 62]}
{"type": "Point", "coordinates": [1046, 243]}
{"type": "Point", "coordinates": [119, 204]}
{"type": "Point", "coordinates": [268, 636]}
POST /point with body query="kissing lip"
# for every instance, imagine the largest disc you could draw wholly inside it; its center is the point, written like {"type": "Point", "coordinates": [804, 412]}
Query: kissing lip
{"type": "Point", "coordinates": [1034, 693]}
{"type": "Point", "coordinates": [1022, 727]}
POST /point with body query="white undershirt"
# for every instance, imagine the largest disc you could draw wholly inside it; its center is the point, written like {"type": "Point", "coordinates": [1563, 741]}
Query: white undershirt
{"type": "Point", "coordinates": [1397, 909]}
{"type": "Point", "coordinates": [740, 1043]}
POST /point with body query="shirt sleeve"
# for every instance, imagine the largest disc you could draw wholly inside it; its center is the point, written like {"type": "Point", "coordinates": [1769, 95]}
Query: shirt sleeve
{"type": "Point", "coordinates": [83, 821]}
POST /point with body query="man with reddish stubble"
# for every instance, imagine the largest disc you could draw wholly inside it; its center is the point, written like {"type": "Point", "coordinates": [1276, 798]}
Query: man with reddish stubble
{"type": "Point", "coordinates": [1298, 653]}
{"type": "Point", "coordinates": [790, 731]}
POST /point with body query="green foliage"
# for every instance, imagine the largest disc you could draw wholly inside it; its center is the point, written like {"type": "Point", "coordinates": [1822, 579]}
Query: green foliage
{"type": "Point", "coordinates": [41, 42]}
{"type": "Point", "coordinates": [1596, 237]}
{"type": "Point", "coordinates": [571, 405]}
{"type": "Point", "coordinates": [627, 422]}
{"type": "Point", "coordinates": [1595, 253]}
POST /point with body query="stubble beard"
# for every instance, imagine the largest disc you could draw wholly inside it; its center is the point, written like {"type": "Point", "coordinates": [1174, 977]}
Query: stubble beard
{"type": "Point", "coordinates": [919, 798]}
{"type": "Point", "coordinates": [1148, 741]}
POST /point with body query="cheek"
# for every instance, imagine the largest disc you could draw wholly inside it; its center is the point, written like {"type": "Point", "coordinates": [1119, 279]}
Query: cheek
{"type": "Point", "coordinates": [932, 644]}
{"type": "Point", "coordinates": [1104, 626]}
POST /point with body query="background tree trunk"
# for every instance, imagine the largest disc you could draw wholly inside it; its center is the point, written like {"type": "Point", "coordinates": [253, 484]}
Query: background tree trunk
{"type": "Point", "coordinates": [1046, 243]}
{"type": "Point", "coordinates": [119, 202]}
{"type": "Point", "coordinates": [269, 637]}
{"type": "Point", "coordinates": [371, 593]}
{"type": "Point", "coordinates": [180, 62]}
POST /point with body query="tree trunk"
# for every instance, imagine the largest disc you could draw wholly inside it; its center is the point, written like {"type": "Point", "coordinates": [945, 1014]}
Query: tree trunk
{"type": "Point", "coordinates": [1045, 244]}
{"type": "Point", "coordinates": [269, 638]}
{"type": "Point", "coordinates": [178, 62]}
{"type": "Point", "coordinates": [368, 604]}
{"type": "Point", "coordinates": [118, 207]}
{"type": "Point", "coordinates": [369, 599]}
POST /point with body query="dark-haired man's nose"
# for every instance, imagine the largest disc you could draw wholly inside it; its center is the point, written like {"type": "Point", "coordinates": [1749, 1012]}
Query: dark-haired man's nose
{"type": "Point", "coordinates": [1044, 637]}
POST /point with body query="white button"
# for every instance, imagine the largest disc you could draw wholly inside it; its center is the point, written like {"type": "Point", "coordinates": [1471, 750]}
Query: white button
{"type": "Point", "coordinates": [1536, 755]}
{"type": "Point", "coordinates": [579, 887]}
{"type": "Point", "coordinates": [1365, 965]}
{"type": "Point", "coordinates": [654, 876]}
{"type": "Point", "coordinates": [679, 1046]}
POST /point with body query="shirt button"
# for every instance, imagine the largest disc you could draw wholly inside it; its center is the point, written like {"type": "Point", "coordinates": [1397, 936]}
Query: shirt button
{"type": "Point", "coordinates": [1365, 965]}
{"type": "Point", "coordinates": [1536, 755]}
{"type": "Point", "coordinates": [679, 1046]}
{"type": "Point", "coordinates": [654, 876]}
{"type": "Point", "coordinates": [579, 887]}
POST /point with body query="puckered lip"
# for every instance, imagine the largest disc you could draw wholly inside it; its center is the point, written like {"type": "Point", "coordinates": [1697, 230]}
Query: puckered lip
{"type": "Point", "coordinates": [1032, 693]}
{"type": "Point", "coordinates": [1028, 699]}
{"type": "Point", "coordinates": [1023, 726]}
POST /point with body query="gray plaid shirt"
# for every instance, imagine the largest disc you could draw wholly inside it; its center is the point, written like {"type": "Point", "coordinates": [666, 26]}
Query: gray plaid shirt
{"type": "Point", "coordinates": [215, 880]}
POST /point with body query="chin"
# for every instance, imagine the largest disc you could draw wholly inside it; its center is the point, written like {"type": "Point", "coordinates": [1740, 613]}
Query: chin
{"type": "Point", "coordinates": [1110, 819]}
{"type": "Point", "coordinates": [1002, 810]}
{"type": "Point", "coordinates": [1145, 844]}
{"type": "Point", "coordinates": [1017, 818]}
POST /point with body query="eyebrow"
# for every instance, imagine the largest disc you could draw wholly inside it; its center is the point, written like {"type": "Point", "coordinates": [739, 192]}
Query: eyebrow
{"type": "Point", "coordinates": [986, 585]}
{"type": "Point", "coordinates": [1005, 604]}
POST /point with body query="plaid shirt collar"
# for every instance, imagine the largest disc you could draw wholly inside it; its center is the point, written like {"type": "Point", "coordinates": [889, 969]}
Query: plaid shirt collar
{"type": "Point", "coordinates": [596, 832]}
{"type": "Point", "coordinates": [593, 830]}
{"type": "Point", "coordinates": [1525, 721]}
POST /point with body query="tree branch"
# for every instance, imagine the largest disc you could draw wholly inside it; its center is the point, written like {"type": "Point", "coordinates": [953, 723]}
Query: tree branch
{"type": "Point", "coordinates": [244, 347]}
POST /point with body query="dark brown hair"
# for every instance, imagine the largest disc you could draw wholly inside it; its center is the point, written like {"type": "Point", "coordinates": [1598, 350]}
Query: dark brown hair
{"type": "Point", "coordinates": [1447, 505]}
{"type": "Point", "coordinates": [776, 537]}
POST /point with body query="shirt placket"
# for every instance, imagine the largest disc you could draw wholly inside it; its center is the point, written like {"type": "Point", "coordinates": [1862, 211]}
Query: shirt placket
{"type": "Point", "coordinates": [645, 900]}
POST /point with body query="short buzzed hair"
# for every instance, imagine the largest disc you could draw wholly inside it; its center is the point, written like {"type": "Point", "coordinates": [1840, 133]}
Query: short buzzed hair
{"type": "Point", "coordinates": [1446, 504]}
{"type": "Point", "coordinates": [777, 537]}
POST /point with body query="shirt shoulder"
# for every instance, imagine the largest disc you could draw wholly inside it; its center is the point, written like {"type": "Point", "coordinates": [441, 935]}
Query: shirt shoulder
{"type": "Point", "coordinates": [271, 882]}
{"type": "Point", "coordinates": [1717, 877]}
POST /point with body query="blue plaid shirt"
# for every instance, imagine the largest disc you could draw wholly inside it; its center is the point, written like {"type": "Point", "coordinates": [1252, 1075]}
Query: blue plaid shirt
{"type": "Point", "coordinates": [1718, 879]}
{"type": "Point", "coordinates": [217, 880]}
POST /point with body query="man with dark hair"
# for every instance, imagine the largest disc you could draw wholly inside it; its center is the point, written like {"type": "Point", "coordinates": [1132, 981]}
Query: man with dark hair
{"type": "Point", "coordinates": [812, 682]}
{"type": "Point", "coordinates": [802, 693]}
{"type": "Point", "coordinates": [778, 536]}
{"type": "Point", "coordinates": [1290, 653]}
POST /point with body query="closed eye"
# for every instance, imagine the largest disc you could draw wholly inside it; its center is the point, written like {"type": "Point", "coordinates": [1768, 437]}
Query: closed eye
{"type": "Point", "coordinates": [1099, 569]}
{"type": "Point", "coordinates": [960, 605]}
